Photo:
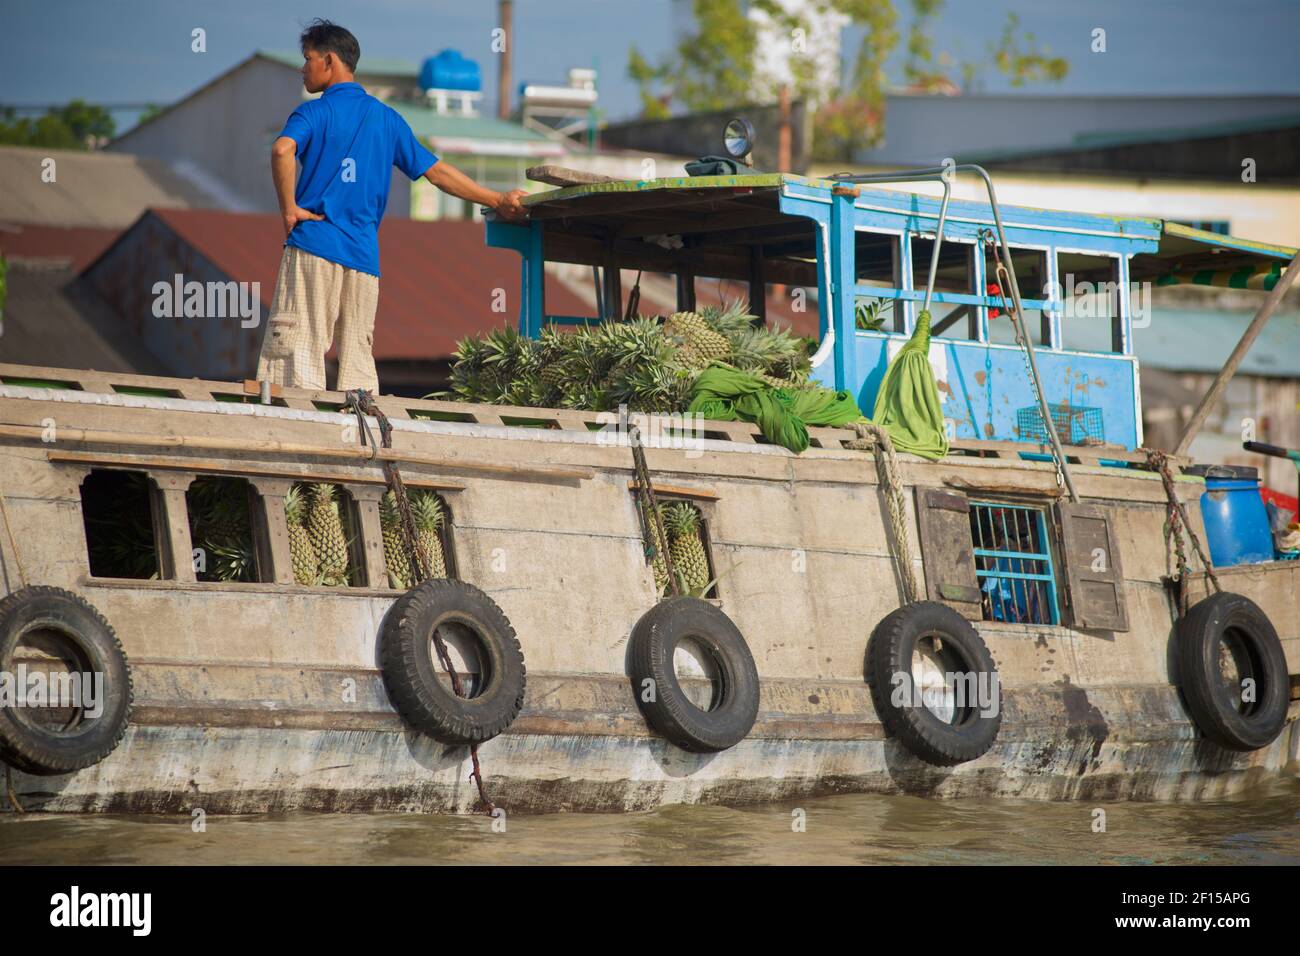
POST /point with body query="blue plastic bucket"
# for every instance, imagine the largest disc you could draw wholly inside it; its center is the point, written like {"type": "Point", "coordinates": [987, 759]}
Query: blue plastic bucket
{"type": "Point", "coordinates": [1236, 524]}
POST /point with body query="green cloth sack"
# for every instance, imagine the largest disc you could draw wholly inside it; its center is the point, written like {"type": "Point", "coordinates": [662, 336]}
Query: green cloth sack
{"type": "Point", "coordinates": [726, 394]}
{"type": "Point", "coordinates": [907, 405]}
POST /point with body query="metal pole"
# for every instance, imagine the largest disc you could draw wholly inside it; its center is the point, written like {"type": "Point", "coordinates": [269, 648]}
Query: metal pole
{"type": "Point", "coordinates": [933, 173]}
{"type": "Point", "coordinates": [1211, 397]}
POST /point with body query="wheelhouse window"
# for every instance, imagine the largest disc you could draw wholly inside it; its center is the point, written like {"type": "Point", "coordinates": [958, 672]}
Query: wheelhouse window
{"type": "Point", "coordinates": [1033, 277]}
{"type": "Point", "coordinates": [956, 275]}
{"type": "Point", "coordinates": [1013, 563]}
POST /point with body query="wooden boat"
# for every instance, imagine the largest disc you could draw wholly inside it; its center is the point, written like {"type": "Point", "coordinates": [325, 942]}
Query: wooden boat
{"type": "Point", "coordinates": [269, 695]}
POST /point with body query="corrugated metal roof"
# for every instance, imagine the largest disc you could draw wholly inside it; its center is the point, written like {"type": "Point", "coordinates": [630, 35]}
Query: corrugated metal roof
{"type": "Point", "coordinates": [438, 285]}
{"type": "Point", "coordinates": [89, 189]}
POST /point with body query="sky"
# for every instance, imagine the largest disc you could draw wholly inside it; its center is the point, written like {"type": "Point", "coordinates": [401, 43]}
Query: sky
{"type": "Point", "coordinates": [138, 51]}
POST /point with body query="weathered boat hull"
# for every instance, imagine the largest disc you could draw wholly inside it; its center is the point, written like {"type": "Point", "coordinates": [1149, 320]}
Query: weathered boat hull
{"type": "Point", "coordinates": [267, 696]}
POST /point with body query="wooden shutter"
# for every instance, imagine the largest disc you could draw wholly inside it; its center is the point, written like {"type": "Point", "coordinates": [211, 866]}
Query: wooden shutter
{"type": "Point", "coordinates": [1094, 578]}
{"type": "Point", "coordinates": [947, 549]}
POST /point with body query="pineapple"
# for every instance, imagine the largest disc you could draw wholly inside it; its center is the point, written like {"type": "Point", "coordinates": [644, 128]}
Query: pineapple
{"type": "Point", "coordinates": [399, 568]}
{"type": "Point", "coordinates": [301, 551]}
{"type": "Point", "coordinates": [325, 529]}
{"type": "Point", "coordinates": [233, 561]}
{"type": "Point", "coordinates": [698, 345]}
{"type": "Point", "coordinates": [686, 545]}
{"type": "Point", "coordinates": [427, 510]}
{"type": "Point", "coordinates": [657, 562]}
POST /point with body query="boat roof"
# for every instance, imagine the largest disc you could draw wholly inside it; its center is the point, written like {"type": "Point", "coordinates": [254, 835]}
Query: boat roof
{"type": "Point", "coordinates": [743, 206]}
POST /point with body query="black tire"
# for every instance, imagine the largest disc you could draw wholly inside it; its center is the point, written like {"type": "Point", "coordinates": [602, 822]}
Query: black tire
{"type": "Point", "coordinates": [76, 632]}
{"type": "Point", "coordinates": [410, 666]}
{"type": "Point", "coordinates": [1227, 627]}
{"type": "Point", "coordinates": [669, 710]}
{"type": "Point", "coordinates": [973, 725]}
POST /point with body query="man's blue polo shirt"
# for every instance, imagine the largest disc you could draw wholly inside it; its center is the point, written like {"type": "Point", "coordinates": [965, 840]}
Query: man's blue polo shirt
{"type": "Point", "coordinates": [348, 143]}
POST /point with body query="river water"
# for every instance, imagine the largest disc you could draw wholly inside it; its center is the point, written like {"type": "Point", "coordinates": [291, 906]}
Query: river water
{"type": "Point", "coordinates": [1260, 827]}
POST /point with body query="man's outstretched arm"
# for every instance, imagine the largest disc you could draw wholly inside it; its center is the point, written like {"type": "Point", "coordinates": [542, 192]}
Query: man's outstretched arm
{"type": "Point", "coordinates": [284, 171]}
{"type": "Point", "coordinates": [452, 181]}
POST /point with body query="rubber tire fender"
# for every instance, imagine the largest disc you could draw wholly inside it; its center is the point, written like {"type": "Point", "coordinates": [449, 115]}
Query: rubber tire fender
{"type": "Point", "coordinates": [410, 666]}
{"type": "Point", "coordinates": [890, 650]}
{"type": "Point", "coordinates": [669, 711]}
{"type": "Point", "coordinates": [1208, 697]}
{"type": "Point", "coordinates": [42, 752]}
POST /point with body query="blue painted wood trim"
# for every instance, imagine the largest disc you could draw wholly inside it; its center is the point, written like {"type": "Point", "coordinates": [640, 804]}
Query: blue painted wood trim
{"type": "Point", "coordinates": [950, 298]}
{"type": "Point", "coordinates": [533, 311]}
{"type": "Point", "coordinates": [843, 281]}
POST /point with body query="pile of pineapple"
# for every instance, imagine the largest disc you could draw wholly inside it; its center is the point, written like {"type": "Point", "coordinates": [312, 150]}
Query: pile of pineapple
{"type": "Point", "coordinates": [429, 514]}
{"type": "Point", "coordinates": [648, 364]}
{"type": "Point", "coordinates": [220, 526]}
{"type": "Point", "coordinates": [685, 545]}
{"type": "Point", "coordinates": [318, 541]}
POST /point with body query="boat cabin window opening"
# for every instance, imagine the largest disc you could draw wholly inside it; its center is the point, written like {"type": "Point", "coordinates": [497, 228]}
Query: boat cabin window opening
{"type": "Point", "coordinates": [222, 532]}
{"type": "Point", "coordinates": [433, 528]}
{"type": "Point", "coordinates": [1033, 277]}
{"type": "Point", "coordinates": [122, 519]}
{"type": "Point", "coordinates": [686, 522]}
{"type": "Point", "coordinates": [1013, 563]}
{"type": "Point", "coordinates": [955, 276]}
{"type": "Point", "coordinates": [878, 264]}
{"type": "Point", "coordinates": [1090, 298]}
{"type": "Point", "coordinates": [325, 540]}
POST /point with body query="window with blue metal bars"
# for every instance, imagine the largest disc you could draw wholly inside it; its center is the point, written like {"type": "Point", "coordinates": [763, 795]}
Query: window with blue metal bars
{"type": "Point", "coordinates": [1013, 562]}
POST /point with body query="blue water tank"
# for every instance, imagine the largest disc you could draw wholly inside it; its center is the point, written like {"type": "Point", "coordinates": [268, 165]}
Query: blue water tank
{"type": "Point", "coordinates": [449, 70]}
{"type": "Point", "coordinates": [1236, 524]}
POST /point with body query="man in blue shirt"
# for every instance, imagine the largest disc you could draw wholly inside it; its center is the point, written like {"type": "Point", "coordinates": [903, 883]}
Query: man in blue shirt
{"type": "Point", "coordinates": [328, 286]}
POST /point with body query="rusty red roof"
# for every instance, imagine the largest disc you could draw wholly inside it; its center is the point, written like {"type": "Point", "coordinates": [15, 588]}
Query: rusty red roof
{"type": "Point", "coordinates": [77, 245]}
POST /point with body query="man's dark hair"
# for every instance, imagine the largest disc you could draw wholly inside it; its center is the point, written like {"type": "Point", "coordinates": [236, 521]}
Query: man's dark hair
{"type": "Point", "coordinates": [325, 37]}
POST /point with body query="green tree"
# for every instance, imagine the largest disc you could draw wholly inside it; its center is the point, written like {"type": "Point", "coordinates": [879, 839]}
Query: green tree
{"type": "Point", "coordinates": [713, 67]}
{"type": "Point", "coordinates": [78, 125]}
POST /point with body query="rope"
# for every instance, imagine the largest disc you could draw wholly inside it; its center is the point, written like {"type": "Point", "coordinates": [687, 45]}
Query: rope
{"type": "Point", "coordinates": [363, 404]}
{"type": "Point", "coordinates": [1176, 525]}
{"type": "Point", "coordinates": [870, 438]}
{"type": "Point", "coordinates": [9, 790]}
{"type": "Point", "coordinates": [648, 509]}
{"type": "Point", "coordinates": [13, 545]}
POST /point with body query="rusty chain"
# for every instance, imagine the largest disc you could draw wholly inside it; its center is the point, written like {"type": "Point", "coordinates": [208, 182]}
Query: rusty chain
{"type": "Point", "coordinates": [648, 509]}
{"type": "Point", "coordinates": [361, 402]}
{"type": "Point", "coordinates": [1176, 525]}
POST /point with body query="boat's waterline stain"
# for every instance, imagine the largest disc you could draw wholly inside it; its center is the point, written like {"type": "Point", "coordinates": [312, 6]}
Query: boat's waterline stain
{"type": "Point", "coordinates": [1260, 827]}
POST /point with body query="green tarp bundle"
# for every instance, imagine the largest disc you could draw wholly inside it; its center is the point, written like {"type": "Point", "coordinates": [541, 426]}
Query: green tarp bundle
{"type": "Point", "coordinates": [907, 405]}
{"type": "Point", "coordinates": [726, 394]}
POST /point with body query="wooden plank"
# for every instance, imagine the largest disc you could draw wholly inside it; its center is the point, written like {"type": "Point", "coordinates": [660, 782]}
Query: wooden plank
{"type": "Point", "coordinates": [213, 466]}
{"type": "Point", "coordinates": [1094, 577]}
{"type": "Point", "coordinates": [564, 176]}
{"type": "Point", "coordinates": [679, 491]}
{"type": "Point", "coordinates": [270, 447]}
{"type": "Point", "coordinates": [948, 550]}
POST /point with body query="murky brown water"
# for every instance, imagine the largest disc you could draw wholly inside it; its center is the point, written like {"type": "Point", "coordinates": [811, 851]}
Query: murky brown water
{"type": "Point", "coordinates": [1260, 827]}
